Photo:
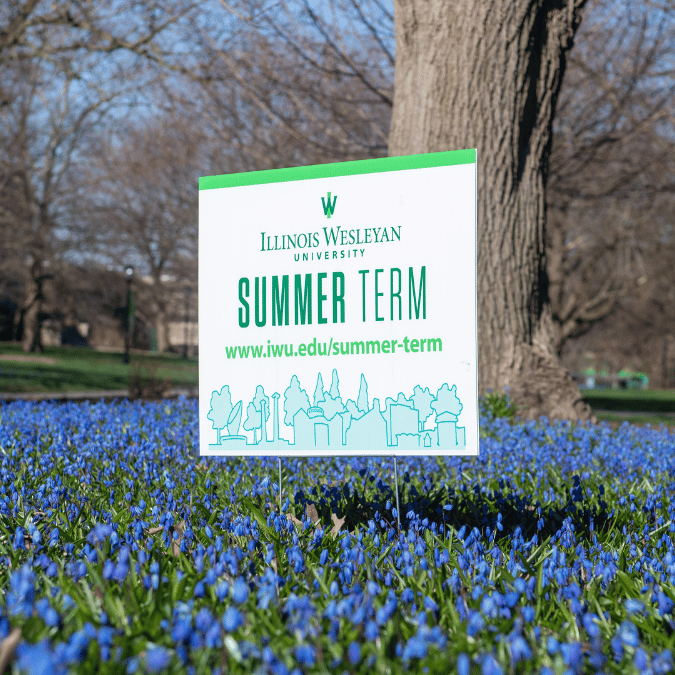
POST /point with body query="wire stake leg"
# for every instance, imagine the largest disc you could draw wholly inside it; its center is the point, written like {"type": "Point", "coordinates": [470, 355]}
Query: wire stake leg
{"type": "Point", "coordinates": [398, 510]}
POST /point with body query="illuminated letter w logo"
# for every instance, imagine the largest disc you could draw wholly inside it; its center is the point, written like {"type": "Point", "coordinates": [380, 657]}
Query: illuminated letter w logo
{"type": "Point", "coordinates": [328, 208]}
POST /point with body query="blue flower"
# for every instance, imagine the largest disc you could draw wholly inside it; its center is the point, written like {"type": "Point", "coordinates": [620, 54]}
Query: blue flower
{"type": "Point", "coordinates": [157, 659]}
{"type": "Point", "coordinates": [640, 659]}
{"type": "Point", "coordinates": [463, 664]}
{"type": "Point", "coordinates": [382, 615]}
{"type": "Point", "coordinates": [476, 623]}
{"type": "Point", "coordinates": [222, 590]}
{"type": "Point", "coordinates": [414, 649]}
{"type": "Point", "coordinates": [552, 645]}
{"type": "Point", "coordinates": [46, 612]}
{"type": "Point", "coordinates": [304, 655]}
{"type": "Point", "coordinates": [36, 659]}
{"type": "Point", "coordinates": [663, 663]}
{"type": "Point", "coordinates": [589, 621]}
{"type": "Point", "coordinates": [572, 654]}
{"type": "Point", "coordinates": [77, 646]}
{"type": "Point", "coordinates": [108, 569]}
{"type": "Point", "coordinates": [232, 619]}
{"type": "Point", "coordinates": [490, 666]}
{"type": "Point", "coordinates": [634, 606]}
{"type": "Point", "coordinates": [617, 648]}
{"type": "Point", "coordinates": [665, 603]}
{"type": "Point", "coordinates": [430, 604]}
{"type": "Point", "coordinates": [628, 634]}
{"type": "Point", "coordinates": [213, 638]}
{"type": "Point", "coordinates": [240, 591]}
{"type": "Point", "coordinates": [489, 607]}
{"type": "Point", "coordinates": [520, 649]}
{"type": "Point", "coordinates": [21, 593]}
{"type": "Point", "coordinates": [120, 572]}
{"type": "Point", "coordinates": [204, 619]}
{"type": "Point", "coordinates": [354, 653]}
{"type": "Point", "coordinates": [407, 595]}
{"type": "Point", "coordinates": [182, 629]}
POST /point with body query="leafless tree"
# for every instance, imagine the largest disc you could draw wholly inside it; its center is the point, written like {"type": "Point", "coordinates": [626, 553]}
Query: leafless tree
{"type": "Point", "coordinates": [141, 208]}
{"type": "Point", "coordinates": [62, 64]}
{"type": "Point", "coordinates": [41, 144]}
{"type": "Point", "coordinates": [611, 163]}
{"type": "Point", "coordinates": [46, 29]}
{"type": "Point", "coordinates": [286, 85]}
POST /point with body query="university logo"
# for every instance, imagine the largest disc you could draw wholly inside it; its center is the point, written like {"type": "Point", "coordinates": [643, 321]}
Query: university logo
{"type": "Point", "coordinates": [328, 208]}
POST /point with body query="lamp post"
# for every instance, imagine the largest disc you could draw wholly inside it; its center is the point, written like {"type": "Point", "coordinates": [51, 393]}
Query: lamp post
{"type": "Point", "coordinates": [129, 319]}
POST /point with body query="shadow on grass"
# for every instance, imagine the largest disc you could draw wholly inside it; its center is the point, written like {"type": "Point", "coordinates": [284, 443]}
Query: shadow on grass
{"type": "Point", "coordinates": [470, 508]}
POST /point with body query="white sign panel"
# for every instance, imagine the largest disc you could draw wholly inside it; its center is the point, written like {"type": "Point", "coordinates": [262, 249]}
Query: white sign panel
{"type": "Point", "coordinates": [337, 309]}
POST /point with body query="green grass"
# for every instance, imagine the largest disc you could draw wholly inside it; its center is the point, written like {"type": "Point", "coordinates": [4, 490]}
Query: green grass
{"type": "Point", "coordinates": [81, 369]}
{"type": "Point", "coordinates": [654, 401]}
{"type": "Point", "coordinates": [630, 394]}
{"type": "Point", "coordinates": [655, 420]}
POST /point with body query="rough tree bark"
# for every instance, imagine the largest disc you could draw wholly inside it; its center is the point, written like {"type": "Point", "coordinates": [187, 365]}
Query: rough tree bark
{"type": "Point", "coordinates": [486, 74]}
{"type": "Point", "coordinates": [31, 340]}
{"type": "Point", "coordinates": [161, 328]}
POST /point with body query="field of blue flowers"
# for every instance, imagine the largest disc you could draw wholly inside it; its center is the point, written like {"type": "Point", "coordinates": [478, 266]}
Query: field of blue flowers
{"type": "Point", "coordinates": [123, 551]}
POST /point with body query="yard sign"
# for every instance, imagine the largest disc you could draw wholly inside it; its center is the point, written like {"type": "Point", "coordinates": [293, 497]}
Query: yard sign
{"type": "Point", "coordinates": [337, 309]}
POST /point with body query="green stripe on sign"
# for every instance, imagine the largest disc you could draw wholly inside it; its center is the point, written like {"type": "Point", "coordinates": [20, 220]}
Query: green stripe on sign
{"type": "Point", "coordinates": [425, 161]}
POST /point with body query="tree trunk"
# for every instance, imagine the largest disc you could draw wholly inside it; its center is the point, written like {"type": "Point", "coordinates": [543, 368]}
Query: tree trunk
{"type": "Point", "coordinates": [660, 368]}
{"type": "Point", "coordinates": [31, 340]}
{"type": "Point", "coordinates": [161, 330]}
{"type": "Point", "coordinates": [487, 75]}
{"type": "Point", "coordinates": [17, 326]}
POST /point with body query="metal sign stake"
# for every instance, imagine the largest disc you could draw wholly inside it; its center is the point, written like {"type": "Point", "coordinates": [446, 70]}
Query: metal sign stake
{"type": "Point", "coordinates": [398, 510]}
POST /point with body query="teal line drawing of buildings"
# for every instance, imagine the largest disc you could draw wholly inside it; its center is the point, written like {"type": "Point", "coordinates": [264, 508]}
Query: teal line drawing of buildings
{"type": "Point", "coordinates": [417, 423]}
{"type": "Point", "coordinates": [275, 442]}
{"type": "Point", "coordinates": [368, 431]}
{"type": "Point", "coordinates": [314, 430]}
{"type": "Point", "coordinates": [403, 421]}
{"type": "Point", "coordinates": [225, 416]}
{"type": "Point", "coordinates": [449, 435]}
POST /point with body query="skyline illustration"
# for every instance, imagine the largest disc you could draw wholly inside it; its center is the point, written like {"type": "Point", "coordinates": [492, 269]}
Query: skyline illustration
{"type": "Point", "coordinates": [422, 421]}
